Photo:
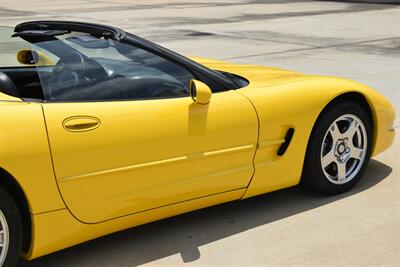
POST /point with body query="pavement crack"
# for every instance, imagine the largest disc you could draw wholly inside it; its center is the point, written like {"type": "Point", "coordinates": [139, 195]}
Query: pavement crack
{"type": "Point", "coordinates": [313, 48]}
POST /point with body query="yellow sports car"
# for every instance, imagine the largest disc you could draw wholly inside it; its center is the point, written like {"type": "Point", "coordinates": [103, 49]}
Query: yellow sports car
{"type": "Point", "coordinates": [101, 130]}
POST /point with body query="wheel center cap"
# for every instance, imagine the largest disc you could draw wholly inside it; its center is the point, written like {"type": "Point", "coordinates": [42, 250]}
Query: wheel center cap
{"type": "Point", "coordinates": [342, 151]}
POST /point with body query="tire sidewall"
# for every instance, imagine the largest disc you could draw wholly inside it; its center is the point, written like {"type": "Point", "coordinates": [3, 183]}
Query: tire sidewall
{"type": "Point", "coordinates": [11, 213]}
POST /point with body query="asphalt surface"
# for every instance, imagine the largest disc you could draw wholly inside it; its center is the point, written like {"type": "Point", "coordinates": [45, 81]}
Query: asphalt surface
{"type": "Point", "coordinates": [292, 227]}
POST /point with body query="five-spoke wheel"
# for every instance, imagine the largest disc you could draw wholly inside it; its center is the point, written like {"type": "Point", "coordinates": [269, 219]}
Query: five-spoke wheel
{"type": "Point", "coordinates": [344, 149]}
{"type": "Point", "coordinates": [339, 148]}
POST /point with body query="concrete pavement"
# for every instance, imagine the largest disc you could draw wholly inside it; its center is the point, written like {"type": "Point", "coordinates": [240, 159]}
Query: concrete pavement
{"type": "Point", "coordinates": [291, 227]}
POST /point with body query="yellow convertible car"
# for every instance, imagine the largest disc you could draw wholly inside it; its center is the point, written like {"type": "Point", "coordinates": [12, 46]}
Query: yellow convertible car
{"type": "Point", "coordinates": [101, 130]}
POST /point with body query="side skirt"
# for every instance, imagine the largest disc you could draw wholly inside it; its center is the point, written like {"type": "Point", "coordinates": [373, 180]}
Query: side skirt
{"type": "Point", "coordinates": [56, 230]}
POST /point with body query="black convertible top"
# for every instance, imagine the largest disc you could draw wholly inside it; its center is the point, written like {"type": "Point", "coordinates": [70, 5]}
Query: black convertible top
{"type": "Point", "coordinates": [94, 29]}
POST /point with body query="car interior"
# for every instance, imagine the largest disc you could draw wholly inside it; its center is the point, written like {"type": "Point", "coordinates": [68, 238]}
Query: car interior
{"type": "Point", "coordinates": [93, 79]}
{"type": "Point", "coordinates": [84, 67]}
{"type": "Point", "coordinates": [21, 82]}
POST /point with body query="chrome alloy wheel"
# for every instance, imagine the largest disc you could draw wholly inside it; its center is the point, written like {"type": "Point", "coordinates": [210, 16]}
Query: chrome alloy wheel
{"type": "Point", "coordinates": [4, 238]}
{"type": "Point", "coordinates": [344, 149]}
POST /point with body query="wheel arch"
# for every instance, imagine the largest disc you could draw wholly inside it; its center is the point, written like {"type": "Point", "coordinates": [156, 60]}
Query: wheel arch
{"type": "Point", "coordinates": [349, 96]}
{"type": "Point", "coordinates": [355, 97]}
{"type": "Point", "coordinates": [10, 184]}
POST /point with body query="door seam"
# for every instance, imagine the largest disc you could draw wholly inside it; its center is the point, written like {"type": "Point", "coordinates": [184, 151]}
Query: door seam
{"type": "Point", "coordinates": [257, 142]}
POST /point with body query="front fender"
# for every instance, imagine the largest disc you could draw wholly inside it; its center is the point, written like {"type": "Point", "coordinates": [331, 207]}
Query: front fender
{"type": "Point", "coordinates": [297, 105]}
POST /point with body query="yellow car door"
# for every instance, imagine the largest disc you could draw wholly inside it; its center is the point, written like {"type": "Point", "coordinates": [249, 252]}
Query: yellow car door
{"type": "Point", "coordinates": [126, 136]}
{"type": "Point", "coordinates": [116, 158]}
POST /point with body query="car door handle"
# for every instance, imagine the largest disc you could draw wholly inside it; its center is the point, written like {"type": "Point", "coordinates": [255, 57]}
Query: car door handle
{"type": "Point", "coordinates": [81, 123]}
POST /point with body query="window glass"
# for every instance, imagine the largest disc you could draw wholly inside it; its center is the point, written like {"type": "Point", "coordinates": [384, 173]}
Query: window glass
{"type": "Point", "coordinates": [89, 68]}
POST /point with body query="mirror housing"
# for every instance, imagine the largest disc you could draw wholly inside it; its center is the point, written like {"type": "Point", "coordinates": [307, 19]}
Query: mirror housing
{"type": "Point", "coordinates": [200, 92]}
{"type": "Point", "coordinates": [31, 57]}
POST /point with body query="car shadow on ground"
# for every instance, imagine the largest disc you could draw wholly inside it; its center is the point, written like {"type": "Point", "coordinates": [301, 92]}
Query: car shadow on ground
{"type": "Point", "coordinates": [184, 234]}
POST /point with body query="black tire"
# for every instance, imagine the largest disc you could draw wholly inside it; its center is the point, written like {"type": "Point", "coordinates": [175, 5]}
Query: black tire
{"type": "Point", "coordinates": [313, 175]}
{"type": "Point", "coordinates": [13, 219]}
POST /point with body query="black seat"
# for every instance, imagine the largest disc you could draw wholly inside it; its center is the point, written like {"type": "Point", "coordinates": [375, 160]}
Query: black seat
{"type": "Point", "coordinates": [7, 86]}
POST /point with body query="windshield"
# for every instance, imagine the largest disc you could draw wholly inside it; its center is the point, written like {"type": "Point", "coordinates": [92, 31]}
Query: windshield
{"type": "Point", "coordinates": [80, 66]}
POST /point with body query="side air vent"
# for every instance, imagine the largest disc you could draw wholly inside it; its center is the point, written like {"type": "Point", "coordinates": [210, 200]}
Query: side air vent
{"type": "Point", "coordinates": [288, 137]}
